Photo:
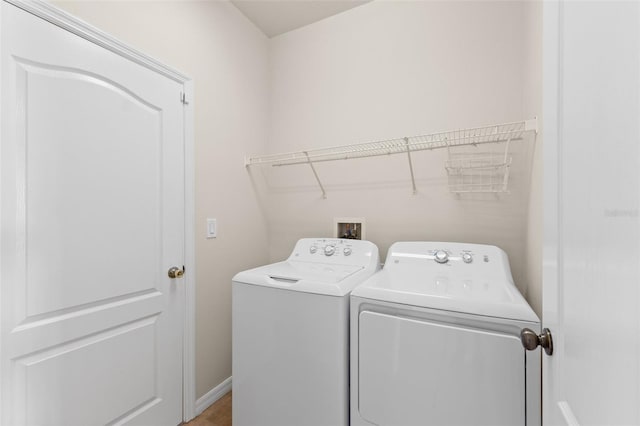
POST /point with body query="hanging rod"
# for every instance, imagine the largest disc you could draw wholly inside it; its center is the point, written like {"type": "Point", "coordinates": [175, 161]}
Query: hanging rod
{"type": "Point", "coordinates": [472, 136]}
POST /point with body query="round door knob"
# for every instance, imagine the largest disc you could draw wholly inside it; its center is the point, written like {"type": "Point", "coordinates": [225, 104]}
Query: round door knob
{"type": "Point", "coordinates": [530, 340]}
{"type": "Point", "coordinates": [175, 272]}
{"type": "Point", "coordinates": [441, 256]}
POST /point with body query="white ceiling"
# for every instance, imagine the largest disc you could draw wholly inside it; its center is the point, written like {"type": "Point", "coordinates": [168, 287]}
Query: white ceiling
{"type": "Point", "coordinates": [275, 17]}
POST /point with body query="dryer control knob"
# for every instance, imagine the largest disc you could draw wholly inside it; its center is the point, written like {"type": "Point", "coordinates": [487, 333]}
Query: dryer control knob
{"type": "Point", "coordinates": [467, 258]}
{"type": "Point", "coordinates": [347, 251]}
{"type": "Point", "coordinates": [313, 249]}
{"type": "Point", "coordinates": [441, 256]}
{"type": "Point", "coordinates": [329, 250]}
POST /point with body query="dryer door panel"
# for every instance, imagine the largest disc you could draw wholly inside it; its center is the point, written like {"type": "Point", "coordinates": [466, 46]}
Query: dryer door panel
{"type": "Point", "coordinates": [415, 372]}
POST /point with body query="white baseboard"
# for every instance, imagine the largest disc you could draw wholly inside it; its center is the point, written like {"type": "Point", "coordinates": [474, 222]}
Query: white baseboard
{"type": "Point", "coordinates": [206, 400]}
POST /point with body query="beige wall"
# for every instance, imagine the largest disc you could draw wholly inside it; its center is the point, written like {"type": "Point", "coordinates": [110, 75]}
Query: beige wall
{"type": "Point", "coordinates": [226, 56]}
{"type": "Point", "coordinates": [393, 69]}
{"type": "Point", "coordinates": [533, 107]}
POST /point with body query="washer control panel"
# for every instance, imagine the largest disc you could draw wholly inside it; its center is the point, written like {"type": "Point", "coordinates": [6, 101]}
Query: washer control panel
{"type": "Point", "coordinates": [330, 247]}
{"type": "Point", "coordinates": [333, 250]}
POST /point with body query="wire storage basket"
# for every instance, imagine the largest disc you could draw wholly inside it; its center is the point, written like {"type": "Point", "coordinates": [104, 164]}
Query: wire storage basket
{"type": "Point", "coordinates": [471, 171]}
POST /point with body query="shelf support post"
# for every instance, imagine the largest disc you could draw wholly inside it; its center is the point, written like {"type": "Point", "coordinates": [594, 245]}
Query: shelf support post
{"type": "Point", "coordinates": [505, 160]}
{"type": "Point", "coordinates": [313, 169]}
{"type": "Point", "coordinates": [413, 180]}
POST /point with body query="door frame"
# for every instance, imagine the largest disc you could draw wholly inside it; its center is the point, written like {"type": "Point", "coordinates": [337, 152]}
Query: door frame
{"type": "Point", "coordinates": [553, 406]}
{"type": "Point", "coordinates": [80, 28]}
{"type": "Point", "coordinates": [551, 106]}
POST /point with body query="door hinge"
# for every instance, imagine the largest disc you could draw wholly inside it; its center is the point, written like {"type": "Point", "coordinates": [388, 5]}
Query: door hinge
{"type": "Point", "coordinates": [183, 98]}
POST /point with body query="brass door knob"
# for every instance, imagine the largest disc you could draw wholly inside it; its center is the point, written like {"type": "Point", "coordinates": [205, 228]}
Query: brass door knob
{"type": "Point", "coordinates": [175, 272]}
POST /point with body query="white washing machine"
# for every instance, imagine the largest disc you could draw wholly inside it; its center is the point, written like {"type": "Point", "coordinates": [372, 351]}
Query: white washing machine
{"type": "Point", "coordinates": [435, 340]}
{"type": "Point", "coordinates": [291, 334]}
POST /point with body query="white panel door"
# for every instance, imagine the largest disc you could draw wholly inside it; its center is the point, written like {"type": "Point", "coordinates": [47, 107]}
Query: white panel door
{"type": "Point", "coordinates": [592, 220]}
{"type": "Point", "coordinates": [92, 216]}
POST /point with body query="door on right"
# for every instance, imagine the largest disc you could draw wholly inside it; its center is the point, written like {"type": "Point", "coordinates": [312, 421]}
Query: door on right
{"type": "Point", "coordinates": [591, 297]}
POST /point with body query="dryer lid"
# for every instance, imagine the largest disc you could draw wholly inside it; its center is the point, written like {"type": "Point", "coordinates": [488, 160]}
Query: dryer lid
{"type": "Point", "coordinates": [415, 275]}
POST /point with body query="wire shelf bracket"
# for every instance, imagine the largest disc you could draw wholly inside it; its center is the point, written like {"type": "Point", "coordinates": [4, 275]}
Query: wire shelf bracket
{"type": "Point", "coordinates": [497, 133]}
{"type": "Point", "coordinates": [313, 169]}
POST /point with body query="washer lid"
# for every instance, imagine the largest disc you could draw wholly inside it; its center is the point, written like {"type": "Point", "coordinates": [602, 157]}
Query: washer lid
{"type": "Point", "coordinates": [310, 277]}
{"type": "Point", "coordinates": [298, 271]}
{"type": "Point", "coordinates": [318, 265]}
{"type": "Point", "coordinates": [415, 275]}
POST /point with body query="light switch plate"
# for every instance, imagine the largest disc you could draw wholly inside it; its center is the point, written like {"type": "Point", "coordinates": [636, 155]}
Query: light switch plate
{"type": "Point", "coordinates": [212, 228]}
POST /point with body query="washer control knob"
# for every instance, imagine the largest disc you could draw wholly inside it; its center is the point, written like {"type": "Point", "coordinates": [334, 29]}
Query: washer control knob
{"type": "Point", "coordinates": [313, 249]}
{"type": "Point", "coordinates": [467, 258]}
{"type": "Point", "coordinates": [347, 251]}
{"type": "Point", "coordinates": [441, 256]}
{"type": "Point", "coordinates": [329, 250]}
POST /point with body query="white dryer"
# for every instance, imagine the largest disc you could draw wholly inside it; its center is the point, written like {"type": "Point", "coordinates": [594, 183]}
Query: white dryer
{"type": "Point", "coordinates": [291, 334]}
{"type": "Point", "coordinates": [435, 340]}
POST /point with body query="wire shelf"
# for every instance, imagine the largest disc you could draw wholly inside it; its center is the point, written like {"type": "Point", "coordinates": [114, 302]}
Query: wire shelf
{"type": "Point", "coordinates": [497, 133]}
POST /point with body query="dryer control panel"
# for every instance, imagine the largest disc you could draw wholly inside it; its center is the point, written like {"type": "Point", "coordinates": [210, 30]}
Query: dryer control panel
{"type": "Point", "coordinates": [442, 255]}
{"type": "Point", "coordinates": [458, 261]}
{"type": "Point", "coordinates": [451, 253]}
